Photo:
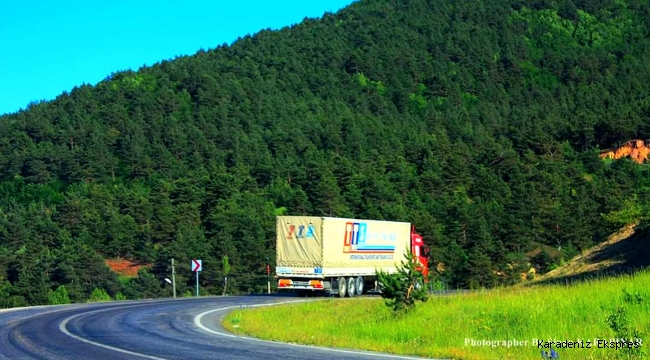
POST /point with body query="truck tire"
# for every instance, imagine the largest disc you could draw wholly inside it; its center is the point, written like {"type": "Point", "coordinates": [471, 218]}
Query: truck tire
{"type": "Point", "coordinates": [351, 287]}
{"type": "Point", "coordinates": [343, 285]}
{"type": "Point", "coordinates": [359, 283]}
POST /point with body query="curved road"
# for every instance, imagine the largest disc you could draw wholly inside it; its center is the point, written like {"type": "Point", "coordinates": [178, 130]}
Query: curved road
{"type": "Point", "coordinates": [155, 329]}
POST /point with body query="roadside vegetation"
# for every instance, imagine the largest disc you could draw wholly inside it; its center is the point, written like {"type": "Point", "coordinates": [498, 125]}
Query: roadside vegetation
{"type": "Point", "coordinates": [606, 309]}
{"type": "Point", "coordinates": [404, 288]}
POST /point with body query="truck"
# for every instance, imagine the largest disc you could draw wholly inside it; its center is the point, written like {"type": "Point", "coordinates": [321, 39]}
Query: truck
{"type": "Point", "coordinates": [339, 256]}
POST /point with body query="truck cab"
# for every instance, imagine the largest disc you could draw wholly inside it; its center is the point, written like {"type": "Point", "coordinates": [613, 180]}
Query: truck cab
{"type": "Point", "coordinates": [420, 251]}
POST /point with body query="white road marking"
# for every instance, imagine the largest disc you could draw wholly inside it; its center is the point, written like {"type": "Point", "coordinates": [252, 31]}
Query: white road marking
{"type": "Point", "coordinates": [197, 322]}
{"type": "Point", "coordinates": [63, 329]}
{"type": "Point", "coordinates": [25, 308]}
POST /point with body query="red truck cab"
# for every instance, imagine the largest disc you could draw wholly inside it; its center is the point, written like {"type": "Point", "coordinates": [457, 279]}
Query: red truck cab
{"type": "Point", "coordinates": [420, 251]}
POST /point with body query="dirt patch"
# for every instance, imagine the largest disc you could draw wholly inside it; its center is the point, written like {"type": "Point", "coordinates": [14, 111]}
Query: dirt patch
{"type": "Point", "coordinates": [637, 150]}
{"type": "Point", "coordinates": [623, 252]}
{"type": "Point", "coordinates": [124, 267]}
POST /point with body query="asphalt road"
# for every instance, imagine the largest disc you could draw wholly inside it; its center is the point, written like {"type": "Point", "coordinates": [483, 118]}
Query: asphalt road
{"type": "Point", "coordinates": [155, 329]}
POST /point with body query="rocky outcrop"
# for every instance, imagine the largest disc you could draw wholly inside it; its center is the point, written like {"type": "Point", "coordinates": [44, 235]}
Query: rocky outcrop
{"type": "Point", "coordinates": [637, 150]}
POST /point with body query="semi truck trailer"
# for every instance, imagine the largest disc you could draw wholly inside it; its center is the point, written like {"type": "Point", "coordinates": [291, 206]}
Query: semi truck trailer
{"type": "Point", "coordinates": [340, 256]}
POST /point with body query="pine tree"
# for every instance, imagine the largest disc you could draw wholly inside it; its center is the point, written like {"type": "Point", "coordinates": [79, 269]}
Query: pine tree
{"type": "Point", "coordinates": [402, 289]}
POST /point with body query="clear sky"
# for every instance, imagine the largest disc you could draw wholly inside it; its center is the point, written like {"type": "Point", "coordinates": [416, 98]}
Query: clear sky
{"type": "Point", "coordinates": [47, 46]}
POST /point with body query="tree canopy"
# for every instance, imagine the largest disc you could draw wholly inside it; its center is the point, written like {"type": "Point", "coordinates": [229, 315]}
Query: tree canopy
{"type": "Point", "coordinates": [480, 122]}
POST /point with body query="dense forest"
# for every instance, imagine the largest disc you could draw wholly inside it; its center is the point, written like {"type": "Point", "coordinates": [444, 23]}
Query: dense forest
{"type": "Point", "coordinates": [480, 122]}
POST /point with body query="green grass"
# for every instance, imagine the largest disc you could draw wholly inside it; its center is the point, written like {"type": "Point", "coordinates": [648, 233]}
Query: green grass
{"type": "Point", "coordinates": [440, 327]}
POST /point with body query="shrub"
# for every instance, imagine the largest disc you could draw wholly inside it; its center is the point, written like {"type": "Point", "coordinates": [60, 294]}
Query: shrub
{"type": "Point", "coordinates": [59, 296]}
{"type": "Point", "coordinates": [623, 329]}
{"type": "Point", "coordinates": [99, 295]}
{"type": "Point", "coordinates": [402, 289]}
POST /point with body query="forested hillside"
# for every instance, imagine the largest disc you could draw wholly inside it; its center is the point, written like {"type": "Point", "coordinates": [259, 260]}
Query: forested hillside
{"type": "Point", "coordinates": [478, 121]}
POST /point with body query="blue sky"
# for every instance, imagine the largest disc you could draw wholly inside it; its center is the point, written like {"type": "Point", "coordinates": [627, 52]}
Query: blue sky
{"type": "Point", "coordinates": [47, 47]}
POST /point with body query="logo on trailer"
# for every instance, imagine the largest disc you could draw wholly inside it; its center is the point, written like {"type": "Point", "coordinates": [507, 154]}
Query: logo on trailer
{"type": "Point", "coordinates": [359, 240]}
{"type": "Point", "coordinates": [301, 232]}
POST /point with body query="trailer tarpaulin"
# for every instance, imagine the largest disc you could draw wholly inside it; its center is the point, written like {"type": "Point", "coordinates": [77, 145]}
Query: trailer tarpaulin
{"type": "Point", "coordinates": [299, 241]}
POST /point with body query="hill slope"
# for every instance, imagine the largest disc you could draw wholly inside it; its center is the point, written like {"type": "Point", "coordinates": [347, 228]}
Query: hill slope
{"type": "Point", "coordinates": [478, 122]}
{"type": "Point", "coordinates": [625, 251]}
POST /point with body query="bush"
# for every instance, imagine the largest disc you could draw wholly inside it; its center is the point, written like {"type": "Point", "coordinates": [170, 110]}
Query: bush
{"type": "Point", "coordinates": [144, 286]}
{"type": "Point", "coordinates": [402, 289]}
{"type": "Point", "coordinates": [621, 325]}
{"type": "Point", "coordinates": [99, 295]}
{"type": "Point", "coordinates": [59, 296]}
{"type": "Point", "coordinates": [13, 301]}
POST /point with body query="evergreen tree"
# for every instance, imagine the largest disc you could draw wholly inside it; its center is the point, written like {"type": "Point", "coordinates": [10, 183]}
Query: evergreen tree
{"type": "Point", "coordinates": [402, 289]}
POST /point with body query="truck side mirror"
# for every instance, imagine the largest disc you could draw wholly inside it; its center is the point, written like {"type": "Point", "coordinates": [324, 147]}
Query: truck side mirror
{"type": "Point", "coordinates": [426, 251]}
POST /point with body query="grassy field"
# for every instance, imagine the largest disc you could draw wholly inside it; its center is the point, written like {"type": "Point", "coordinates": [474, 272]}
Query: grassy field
{"type": "Point", "coordinates": [445, 327]}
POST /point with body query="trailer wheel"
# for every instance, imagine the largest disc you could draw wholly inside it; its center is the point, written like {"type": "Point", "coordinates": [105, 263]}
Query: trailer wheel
{"type": "Point", "coordinates": [359, 283]}
{"type": "Point", "coordinates": [351, 287]}
{"type": "Point", "coordinates": [342, 287]}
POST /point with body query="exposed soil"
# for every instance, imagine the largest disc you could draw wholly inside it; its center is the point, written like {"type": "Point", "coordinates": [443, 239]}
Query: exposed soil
{"type": "Point", "coordinates": [637, 150]}
{"type": "Point", "coordinates": [124, 267]}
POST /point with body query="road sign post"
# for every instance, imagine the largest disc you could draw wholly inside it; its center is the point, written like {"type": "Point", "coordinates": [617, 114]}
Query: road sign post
{"type": "Point", "coordinates": [268, 275]}
{"type": "Point", "coordinates": [173, 278]}
{"type": "Point", "coordinates": [197, 266]}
